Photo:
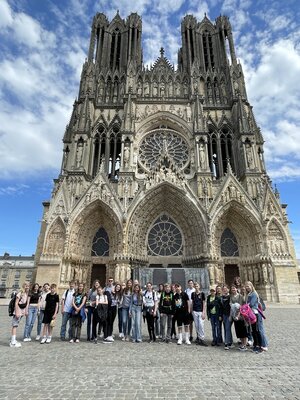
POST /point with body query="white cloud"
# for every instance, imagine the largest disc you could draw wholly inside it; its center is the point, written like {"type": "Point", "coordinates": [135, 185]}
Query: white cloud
{"type": "Point", "coordinates": [18, 190]}
{"type": "Point", "coordinates": [272, 71]}
{"type": "Point", "coordinates": [6, 18]}
{"type": "Point", "coordinates": [199, 9]}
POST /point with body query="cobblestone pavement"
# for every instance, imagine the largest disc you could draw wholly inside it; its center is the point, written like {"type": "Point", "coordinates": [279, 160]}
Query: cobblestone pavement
{"type": "Point", "coordinates": [124, 370]}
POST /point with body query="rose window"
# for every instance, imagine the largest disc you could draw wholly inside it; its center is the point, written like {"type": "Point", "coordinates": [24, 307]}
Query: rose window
{"type": "Point", "coordinates": [163, 143]}
{"type": "Point", "coordinates": [164, 238]}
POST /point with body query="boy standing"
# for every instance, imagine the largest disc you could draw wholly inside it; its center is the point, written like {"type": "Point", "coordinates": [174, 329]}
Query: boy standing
{"type": "Point", "coordinates": [182, 311]}
{"type": "Point", "coordinates": [66, 310]}
{"type": "Point", "coordinates": [166, 309]}
{"type": "Point", "coordinates": [189, 290]}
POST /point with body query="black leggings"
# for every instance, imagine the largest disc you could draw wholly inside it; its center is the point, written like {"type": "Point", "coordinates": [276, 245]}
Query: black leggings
{"type": "Point", "coordinates": [102, 325]}
{"type": "Point", "coordinates": [150, 325]}
{"type": "Point", "coordinates": [112, 312]}
{"type": "Point", "coordinates": [256, 335]}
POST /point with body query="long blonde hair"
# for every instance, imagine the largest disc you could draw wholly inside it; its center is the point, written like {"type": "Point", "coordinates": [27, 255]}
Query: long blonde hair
{"type": "Point", "coordinates": [248, 283]}
{"type": "Point", "coordinates": [22, 290]}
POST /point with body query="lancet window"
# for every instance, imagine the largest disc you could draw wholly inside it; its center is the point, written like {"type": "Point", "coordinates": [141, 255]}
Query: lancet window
{"type": "Point", "coordinates": [229, 244]}
{"type": "Point", "coordinates": [220, 151]}
{"type": "Point", "coordinates": [107, 151]}
{"type": "Point", "coordinates": [208, 50]}
{"type": "Point", "coordinates": [100, 246]}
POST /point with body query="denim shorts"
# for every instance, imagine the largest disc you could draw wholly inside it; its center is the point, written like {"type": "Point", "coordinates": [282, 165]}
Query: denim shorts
{"type": "Point", "coordinates": [15, 321]}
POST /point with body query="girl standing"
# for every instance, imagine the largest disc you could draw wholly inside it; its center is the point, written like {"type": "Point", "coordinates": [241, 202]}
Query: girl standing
{"type": "Point", "coordinates": [91, 308]}
{"type": "Point", "coordinates": [126, 300]}
{"type": "Point", "coordinates": [78, 314]}
{"type": "Point", "coordinates": [34, 296]}
{"type": "Point", "coordinates": [149, 310]}
{"type": "Point", "coordinates": [100, 314]}
{"type": "Point", "coordinates": [219, 296]}
{"type": "Point", "coordinates": [225, 313]}
{"type": "Point", "coordinates": [118, 296]}
{"type": "Point", "coordinates": [135, 312]}
{"type": "Point", "coordinates": [252, 299]}
{"type": "Point", "coordinates": [236, 300]}
{"type": "Point", "coordinates": [41, 309]}
{"type": "Point", "coordinates": [21, 309]}
{"type": "Point", "coordinates": [51, 309]}
{"type": "Point", "coordinates": [213, 314]}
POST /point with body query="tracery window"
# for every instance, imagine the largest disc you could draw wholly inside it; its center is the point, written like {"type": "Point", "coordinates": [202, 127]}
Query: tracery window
{"type": "Point", "coordinates": [164, 238]}
{"type": "Point", "coordinates": [229, 244]}
{"type": "Point", "coordinates": [107, 150]}
{"type": "Point", "coordinates": [100, 246]}
{"type": "Point", "coordinates": [220, 151]}
{"type": "Point", "coordinates": [163, 142]}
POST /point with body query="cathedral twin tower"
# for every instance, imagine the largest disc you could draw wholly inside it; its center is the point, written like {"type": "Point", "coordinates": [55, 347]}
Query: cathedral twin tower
{"type": "Point", "coordinates": [163, 176]}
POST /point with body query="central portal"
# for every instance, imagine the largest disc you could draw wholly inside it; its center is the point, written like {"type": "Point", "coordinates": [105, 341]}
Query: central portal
{"type": "Point", "coordinates": [98, 272]}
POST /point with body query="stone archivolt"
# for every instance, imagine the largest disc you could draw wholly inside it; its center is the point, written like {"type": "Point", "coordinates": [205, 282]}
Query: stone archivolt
{"type": "Point", "coordinates": [145, 143]}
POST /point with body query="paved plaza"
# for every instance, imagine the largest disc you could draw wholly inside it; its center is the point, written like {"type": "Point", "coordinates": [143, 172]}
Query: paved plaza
{"type": "Point", "coordinates": [124, 370]}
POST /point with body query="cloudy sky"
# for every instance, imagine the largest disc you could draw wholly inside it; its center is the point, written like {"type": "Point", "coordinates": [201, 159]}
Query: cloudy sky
{"type": "Point", "coordinates": [43, 46]}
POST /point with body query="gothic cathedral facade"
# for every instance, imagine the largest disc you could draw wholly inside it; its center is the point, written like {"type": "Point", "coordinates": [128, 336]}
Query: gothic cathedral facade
{"type": "Point", "coordinates": [163, 175]}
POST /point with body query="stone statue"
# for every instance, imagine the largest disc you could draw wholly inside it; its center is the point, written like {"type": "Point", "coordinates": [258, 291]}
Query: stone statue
{"type": "Point", "coordinates": [202, 155]}
{"type": "Point", "coordinates": [271, 274]}
{"type": "Point", "coordinates": [79, 153]}
{"type": "Point", "coordinates": [249, 156]}
{"type": "Point", "coordinates": [126, 156]}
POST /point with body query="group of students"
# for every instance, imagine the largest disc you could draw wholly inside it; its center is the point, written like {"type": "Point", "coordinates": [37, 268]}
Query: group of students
{"type": "Point", "coordinates": [162, 310]}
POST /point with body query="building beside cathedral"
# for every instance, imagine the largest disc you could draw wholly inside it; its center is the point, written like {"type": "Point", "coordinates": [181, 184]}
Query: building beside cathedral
{"type": "Point", "coordinates": [163, 175]}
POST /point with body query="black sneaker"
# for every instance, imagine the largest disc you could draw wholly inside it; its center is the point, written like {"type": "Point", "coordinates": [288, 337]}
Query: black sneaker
{"type": "Point", "coordinates": [213, 343]}
{"type": "Point", "coordinates": [202, 343]}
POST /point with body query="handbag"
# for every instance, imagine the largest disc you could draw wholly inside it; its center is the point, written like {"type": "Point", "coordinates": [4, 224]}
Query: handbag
{"type": "Point", "coordinates": [52, 323]}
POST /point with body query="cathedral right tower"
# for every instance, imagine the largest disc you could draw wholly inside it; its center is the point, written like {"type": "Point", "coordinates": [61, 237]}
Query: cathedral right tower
{"type": "Point", "coordinates": [163, 175]}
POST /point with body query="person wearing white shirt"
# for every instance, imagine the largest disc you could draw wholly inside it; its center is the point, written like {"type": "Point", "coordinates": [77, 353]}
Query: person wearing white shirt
{"type": "Point", "coordinates": [66, 310]}
{"type": "Point", "coordinates": [189, 290]}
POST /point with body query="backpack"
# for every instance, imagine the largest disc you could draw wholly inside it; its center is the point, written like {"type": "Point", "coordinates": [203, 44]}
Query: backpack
{"type": "Point", "coordinates": [12, 303]}
{"type": "Point", "coordinates": [261, 304]}
{"type": "Point", "coordinates": [248, 314]}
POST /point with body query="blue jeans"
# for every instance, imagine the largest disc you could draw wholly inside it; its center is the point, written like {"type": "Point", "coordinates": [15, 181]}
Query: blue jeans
{"type": "Point", "coordinates": [120, 320]}
{"type": "Point", "coordinates": [215, 327]}
{"type": "Point", "coordinates": [40, 321]}
{"type": "Point", "coordinates": [126, 321]}
{"type": "Point", "coordinates": [65, 318]}
{"type": "Point", "coordinates": [30, 320]}
{"type": "Point", "coordinates": [136, 315]}
{"type": "Point", "coordinates": [260, 325]}
{"type": "Point", "coordinates": [157, 323]}
{"type": "Point", "coordinates": [90, 322]}
{"type": "Point", "coordinates": [227, 329]}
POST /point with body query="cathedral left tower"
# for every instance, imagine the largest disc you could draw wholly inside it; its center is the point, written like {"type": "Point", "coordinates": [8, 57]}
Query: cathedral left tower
{"type": "Point", "coordinates": [84, 218]}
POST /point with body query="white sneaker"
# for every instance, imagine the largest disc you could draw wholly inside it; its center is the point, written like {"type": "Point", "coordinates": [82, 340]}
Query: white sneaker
{"type": "Point", "coordinates": [72, 341]}
{"type": "Point", "coordinates": [187, 341]}
{"type": "Point", "coordinates": [48, 340]}
{"type": "Point", "coordinates": [27, 339]}
{"type": "Point", "coordinates": [38, 337]}
{"type": "Point", "coordinates": [16, 344]}
{"type": "Point", "coordinates": [179, 341]}
{"type": "Point", "coordinates": [110, 339]}
{"type": "Point", "coordinates": [43, 340]}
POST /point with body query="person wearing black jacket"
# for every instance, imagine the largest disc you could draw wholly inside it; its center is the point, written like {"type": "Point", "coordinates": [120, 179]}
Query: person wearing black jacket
{"type": "Point", "coordinates": [166, 308]}
{"type": "Point", "coordinates": [213, 305]}
{"type": "Point", "coordinates": [225, 314]}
